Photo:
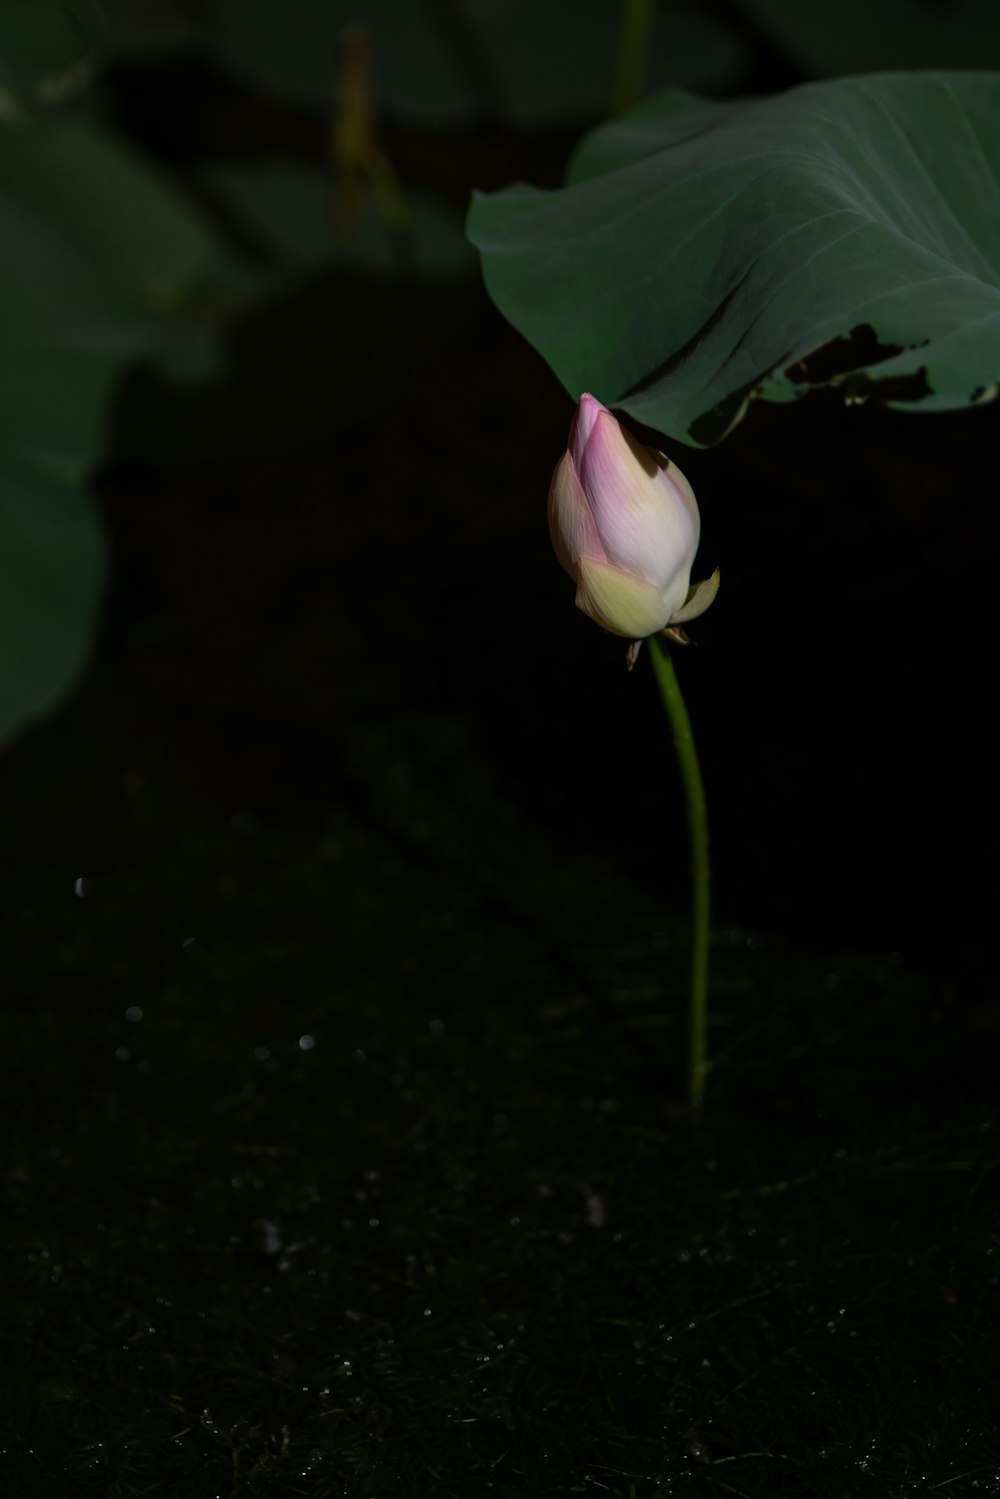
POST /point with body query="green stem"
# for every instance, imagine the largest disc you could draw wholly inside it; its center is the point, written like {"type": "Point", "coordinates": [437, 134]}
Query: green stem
{"type": "Point", "coordinates": [633, 48]}
{"type": "Point", "coordinates": [701, 879]}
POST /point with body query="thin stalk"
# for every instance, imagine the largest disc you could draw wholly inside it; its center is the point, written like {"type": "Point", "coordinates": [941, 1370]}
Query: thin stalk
{"type": "Point", "coordinates": [701, 877]}
{"type": "Point", "coordinates": [633, 50]}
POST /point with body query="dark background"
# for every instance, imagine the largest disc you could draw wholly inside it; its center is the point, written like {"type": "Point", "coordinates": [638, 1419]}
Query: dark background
{"type": "Point", "coordinates": [361, 1057]}
{"type": "Point", "coordinates": [841, 688]}
{"type": "Point", "coordinates": [355, 518]}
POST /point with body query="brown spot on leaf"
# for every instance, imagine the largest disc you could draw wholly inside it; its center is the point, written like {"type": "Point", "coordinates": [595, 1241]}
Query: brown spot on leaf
{"type": "Point", "coordinates": [859, 350]}
{"type": "Point", "coordinates": [861, 387]}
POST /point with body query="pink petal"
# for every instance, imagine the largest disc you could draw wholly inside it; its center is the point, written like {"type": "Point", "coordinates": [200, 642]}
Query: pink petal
{"type": "Point", "coordinates": [571, 524]}
{"type": "Point", "coordinates": [587, 411]}
{"type": "Point", "coordinates": [644, 520]}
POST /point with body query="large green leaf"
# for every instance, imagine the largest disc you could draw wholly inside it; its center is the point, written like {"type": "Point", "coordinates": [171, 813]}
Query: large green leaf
{"type": "Point", "coordinates": [702, 254]}
{"type": "Point", "coordinates": [101, 264]}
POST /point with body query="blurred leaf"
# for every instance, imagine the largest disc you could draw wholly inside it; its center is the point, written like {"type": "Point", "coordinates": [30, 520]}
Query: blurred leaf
{"type": "Point", "coordinates": [842, 233]}
{"type": "Point", "coordinates": [857, 36]}
{"type": "Point", "coordinates": [46, 49]}
{"type": "Point", "coordinates": [286, 209]}
{"type": "Point", "coordinates": [440, 63]}
{"type": "Point", "coordinates": [52, 569]}
{"type": "Point", "coordinates": [119, 217]}
{"type": "Point", "coordinates": [101, 265]}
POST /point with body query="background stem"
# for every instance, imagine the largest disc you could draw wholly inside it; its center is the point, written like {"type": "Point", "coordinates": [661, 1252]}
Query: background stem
{"type": "Point", "coordinates": [701, 880]}
{"type": "Point", "coordinates": [633, 50]}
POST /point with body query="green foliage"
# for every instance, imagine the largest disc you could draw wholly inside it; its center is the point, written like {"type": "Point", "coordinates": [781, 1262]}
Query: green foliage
{"type": "Point", "coordinates": [102, 264]}
{"type": "Point", "coordinates": [702, 254]}
{"type": "Point", "coordinates": [47, 49]}
{"type": "Point", "coordinates": [52, 570]}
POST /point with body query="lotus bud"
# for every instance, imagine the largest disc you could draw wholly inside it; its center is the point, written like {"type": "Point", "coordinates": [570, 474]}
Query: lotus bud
{"type": "Point", "coordinates": [625, 525]}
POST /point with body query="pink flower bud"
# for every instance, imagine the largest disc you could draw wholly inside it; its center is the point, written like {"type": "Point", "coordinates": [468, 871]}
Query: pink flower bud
{"type": "Point", "coordinates": [625, 526]}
